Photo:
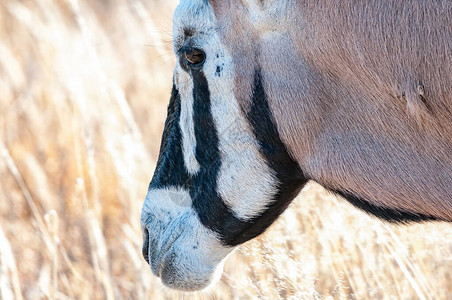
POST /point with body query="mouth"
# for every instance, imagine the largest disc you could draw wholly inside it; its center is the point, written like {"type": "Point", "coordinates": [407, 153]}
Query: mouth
{"type": "Point", "coordinates": [185, 255]}
{"type": "Point", "coordinates": [165, 263]}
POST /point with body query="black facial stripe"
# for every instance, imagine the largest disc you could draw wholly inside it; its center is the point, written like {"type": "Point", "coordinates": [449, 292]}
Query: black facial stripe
{"type": "Point", "coordinates": [171, 156]}
{"type": "Point", "coordinates": [171, 171]}
{"type": "Point", "coordinates": [209, 206]}
{"type": "Point", "coordinates": [388, 214]}
{"type": "Point", "coordinates": [290, 178]}
{"type": "Point", "coordinates": [211, 209]}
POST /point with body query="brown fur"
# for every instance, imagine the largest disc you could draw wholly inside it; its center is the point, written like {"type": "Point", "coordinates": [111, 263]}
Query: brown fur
{"type": "Point", "coordinates": [361, 91]}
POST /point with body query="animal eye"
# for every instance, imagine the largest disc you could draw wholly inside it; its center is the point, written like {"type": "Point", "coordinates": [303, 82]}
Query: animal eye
{"type": "Point", "coordinates": [194, 57]}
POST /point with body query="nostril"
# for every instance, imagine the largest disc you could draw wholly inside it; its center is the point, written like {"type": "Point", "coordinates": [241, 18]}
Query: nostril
{"type": "Point", "coordinates": [145, 249]}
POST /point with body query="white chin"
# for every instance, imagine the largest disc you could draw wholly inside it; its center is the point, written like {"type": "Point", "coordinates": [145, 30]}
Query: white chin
{"type": "Point", "coordinates": [191, 281]}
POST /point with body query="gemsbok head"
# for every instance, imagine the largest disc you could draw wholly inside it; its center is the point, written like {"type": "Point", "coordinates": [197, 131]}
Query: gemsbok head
{"type": "Point", "coordinates": [269, 94]}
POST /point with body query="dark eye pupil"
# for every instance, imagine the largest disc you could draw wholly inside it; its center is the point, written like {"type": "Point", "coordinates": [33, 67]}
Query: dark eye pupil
{"type": "Point", "coordinates": [195, 56]}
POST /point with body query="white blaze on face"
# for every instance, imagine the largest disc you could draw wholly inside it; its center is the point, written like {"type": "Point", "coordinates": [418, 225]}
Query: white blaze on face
{"type": "Point", "coordinates": [185, 86]}
{"type": "Point", "coordinates": [245, 182]}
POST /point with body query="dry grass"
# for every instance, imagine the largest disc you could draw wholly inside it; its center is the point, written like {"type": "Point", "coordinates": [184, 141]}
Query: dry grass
{"type": "Point", "coordinates": [83, 93]}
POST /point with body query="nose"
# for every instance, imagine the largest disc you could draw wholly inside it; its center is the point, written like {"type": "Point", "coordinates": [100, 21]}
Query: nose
{"type": "Point", "coordinates": [145, 249]}
{"type": "Point", "coordinates": [149, 252]}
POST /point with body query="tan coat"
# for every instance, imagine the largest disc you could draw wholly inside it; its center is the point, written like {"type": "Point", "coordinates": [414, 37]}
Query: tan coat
{"type": "Point", "coordinates": [361, 91]}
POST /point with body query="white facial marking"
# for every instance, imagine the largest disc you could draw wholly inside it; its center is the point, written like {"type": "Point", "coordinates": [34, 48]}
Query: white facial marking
{"type": "Point", "coordinates": [171, 200]}
{"type": "Point", "coordinates": [183, 252]}
{"type": "Point", "coordinates": [245, 181]}
{"type": "Point", "coordinates": [184, 84]}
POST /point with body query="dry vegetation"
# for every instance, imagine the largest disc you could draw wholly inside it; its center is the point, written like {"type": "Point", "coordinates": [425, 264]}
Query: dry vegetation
{"type": "Point", "coordinates": [83, 93]}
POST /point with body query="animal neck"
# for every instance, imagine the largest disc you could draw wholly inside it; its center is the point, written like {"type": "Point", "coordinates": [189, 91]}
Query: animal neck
{"type": "Point", "coordinates": [350, 116]}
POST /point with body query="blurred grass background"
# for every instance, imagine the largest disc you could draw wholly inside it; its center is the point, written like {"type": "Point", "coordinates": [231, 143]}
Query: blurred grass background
{"type": "Point", "coordinates": [83, 92]}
